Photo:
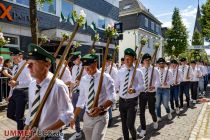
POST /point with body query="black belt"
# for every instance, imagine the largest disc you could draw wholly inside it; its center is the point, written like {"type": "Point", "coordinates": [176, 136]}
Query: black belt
{"type": "Point", "coordinates": [100, 114]}
{"type": "Point", "coordinates": [22, 88]}
{"type": "Point", "coordinates": [128, 100]}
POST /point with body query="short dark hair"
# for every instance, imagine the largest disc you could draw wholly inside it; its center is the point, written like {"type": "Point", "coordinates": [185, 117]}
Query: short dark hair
{"type": "Point", "coordinates": [6, 61]}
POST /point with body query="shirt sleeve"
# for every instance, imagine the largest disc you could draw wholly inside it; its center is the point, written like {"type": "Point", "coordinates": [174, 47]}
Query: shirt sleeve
{"type": "Point", "coordinates": [117, 82]}
{"type": "Point", "coordinates": [28, 118]}
{"type": "Point", "coordinates": [110, 89]}
{"type": "Point", "coordinates": [140, 80]}
{"type": "Point", "coordinates": [64, 104]}
{"type": "Point", "coordinates": [157, 78]}
{"type": "Point", "coordinates": [81, 99]}
{"type": "Point", "coordinates": [169, 78]}
{"type": "Point", "coordinates": [67, 76]}
{"type": "Point", "coordinates": [26, 78]}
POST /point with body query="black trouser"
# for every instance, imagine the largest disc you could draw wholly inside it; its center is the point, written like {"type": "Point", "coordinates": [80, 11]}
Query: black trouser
{"type": "Point", "coordinates": [128, 109]}
{"type": "Point", "coordinates": [194, 90]}
{"type": "Point", "coordinates": [16, 106]}
{"type": "Point", "coordinates": [184, 89]}
{"type": "Point", "coordinates": [145, 97]}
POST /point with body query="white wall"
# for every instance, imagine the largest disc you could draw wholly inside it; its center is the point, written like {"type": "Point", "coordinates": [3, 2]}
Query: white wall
{"type": "Point", "coordinates": [129, 42]}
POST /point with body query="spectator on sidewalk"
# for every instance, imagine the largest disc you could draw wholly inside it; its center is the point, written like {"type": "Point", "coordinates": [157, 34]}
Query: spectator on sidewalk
{"type": "Point", "coordinates": [6, 74]}
{"type": "Point", "coordinates": [1, 62]}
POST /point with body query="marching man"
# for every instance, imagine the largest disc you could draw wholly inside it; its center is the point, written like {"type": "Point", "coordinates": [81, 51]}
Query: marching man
{"type": "Point", "coordinates": [18, 98]}
{"type": "Point", "coordinates": [148, 96]}
{"type": "Point", "coordinates": [175, 85]}
{"type": "Point", "coordinates": [163, 91]}
{"type": "Point", "coordinates": [195, 75]}
{"type": "Point", "coordinates": [185, 84]}
{"type": "Point", "coordinates": [128, 101]}
{"type": "Point", "coordinates": [76, 58]}
{"type": "Point", "coordinates": [58, 110]}
{"type": "Point", "coordinates": [95, 118]}
{"type": "Point", "coordinates": [113, 74]}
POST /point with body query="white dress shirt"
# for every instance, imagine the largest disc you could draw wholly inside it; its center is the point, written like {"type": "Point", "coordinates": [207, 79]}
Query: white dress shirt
{"type": "Point", "coordinates": [58, 105]}
{"type": "Point", "coordinates": [66, 75]}
{"type": "Point", "coordinates": [169, 78]}
{"type": "Point", "coordinates": [74, 71]}
{"type": "Point", "coordinates": [196, 73]}
{"type": "Point", "coordinates": [107, 89]}
{"type": "Point", "coordinates": [138, 83]}
{"type": "Point", "coordinates": [204, 70]}
{"type": "Point", "coordinates": [174, 75]}
{"type": "Point", "coordinates": [113, 73]}
{"type": "Point", "coordinates": [185, 72]}
{"type": "Point", "coordinates": [24, 78]}
{"type": "Point", "coordinates": [156, 78]}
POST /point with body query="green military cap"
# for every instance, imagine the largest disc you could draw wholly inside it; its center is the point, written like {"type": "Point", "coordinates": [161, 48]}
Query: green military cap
{"type": "Point", "coordinates": [183, 59]}
{"type": "Point", "coordinates": [193, 61]}
{"type": "Point", "coordinates": [15, 51]}
{"type": "Point", "coordinates": [130, 52]}
{"type": "Point", "coordinates": [109, 57]}
{"type": "Point", "coordinates": [161, 60]}
{"type": "Point", "coordinates": [89, 59]}
{"type": "Point", "coordinates": [75, 55]}
{"type": "Point", "coordinates": [37, 53]}
{"type": "Point", "coordinates": [173, 61]}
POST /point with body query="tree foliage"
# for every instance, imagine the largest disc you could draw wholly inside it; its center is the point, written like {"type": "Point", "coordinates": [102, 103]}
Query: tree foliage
{"type": "Point", "coordinates": [176, 36]}
{"type": "Point", "coordinates": [205, 19]}
{"type": "Point", "coordinates": [197, 38]}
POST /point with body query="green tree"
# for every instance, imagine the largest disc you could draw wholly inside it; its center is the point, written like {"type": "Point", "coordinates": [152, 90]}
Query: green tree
{"type": "Point", "coordinates": [33, 18]}
{"type": "Point", "coordinates": [197, 38]}
{"type": "Point", "coordinates": [176, 36]}
{"type": "Point", "coordinates": [205, 19]}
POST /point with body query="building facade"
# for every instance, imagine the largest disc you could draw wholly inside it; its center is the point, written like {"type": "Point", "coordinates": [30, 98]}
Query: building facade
{"type": "Point", "coordinates": [101, 12]}
{"type": "Point", "coordinates": [138, 22]}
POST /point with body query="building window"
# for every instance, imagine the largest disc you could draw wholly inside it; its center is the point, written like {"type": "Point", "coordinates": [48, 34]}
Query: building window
{"type": "Point", "coordinates": [49, 7]}
{"type": "Point", "coordinates": [152, 26]}
{"type": "Point", "coordinates": [23, 2]}
{"type": "Point", "coordinates": [67, 8]}
{"type": "Point", "coordinates": [148, 43]}
{"type": "Point", "coordinates": [101, 22]}
{"type": "Point", "coordinates": [157, 28]}
{"type": "Point", "coordinates": [14, 40]}
{"type": "Point", "coordinates": [146, 22]}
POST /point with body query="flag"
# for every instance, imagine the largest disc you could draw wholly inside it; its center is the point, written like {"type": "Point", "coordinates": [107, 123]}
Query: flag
{"type": "Point", "coordinates": [63, 18]}
{"type": "Point", "coordinates": [93, 26]}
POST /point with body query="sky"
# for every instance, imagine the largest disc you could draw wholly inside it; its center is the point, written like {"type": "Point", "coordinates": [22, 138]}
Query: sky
{"type": "Point", "coordinates": [163, 10]}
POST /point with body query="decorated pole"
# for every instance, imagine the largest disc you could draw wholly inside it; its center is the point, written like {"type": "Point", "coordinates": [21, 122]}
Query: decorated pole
{"type": "Point", "coordinates": [80, 21]}
{"type": "Point", "coordinates": [76, 45]}
{"type": "Point", "coordinates": [65, 37]}
{"type": "Point", "coordinates": [157, 45]}
{"type": "Point", "coordinates": [143, 42]}
{"type": "Point", "coordinates": [188, 70]}
{"type": "Point", "coordinates": [173, 49]}
{"type": "Point", "coordinates": [43, 39]}
{"type": "Point", "coordinates": [113, 59]}
{"type": "Point", "coordinates": [110, 32]}
{"type": "Point", "coordinates": [95, 39]}
{"type": "Point", "coordinates": [92, 50]}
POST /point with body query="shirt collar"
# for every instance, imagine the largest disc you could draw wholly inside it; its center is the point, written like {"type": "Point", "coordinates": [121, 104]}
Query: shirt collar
{"type": "Point", "coordinates": [95, 75]}
{"type": "Point", "coordinates": [131, 68]}
{"type": "Point", "coordinates": [47, 79]}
